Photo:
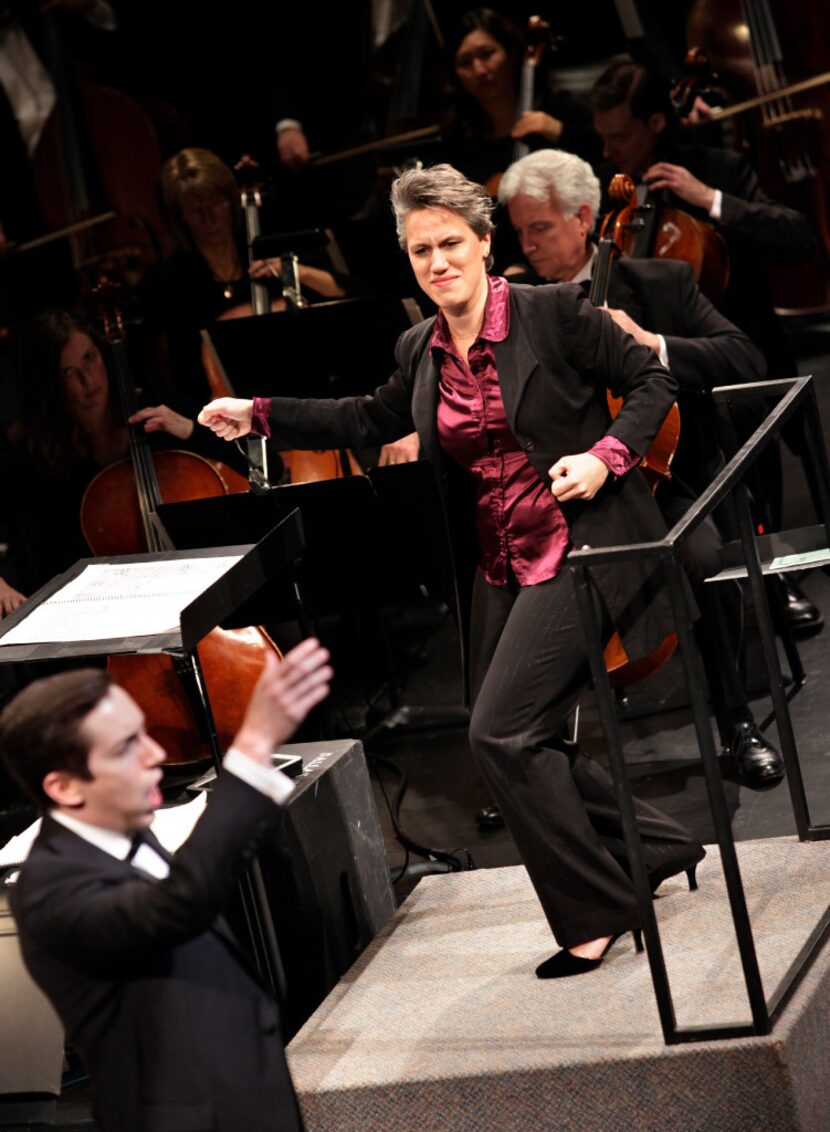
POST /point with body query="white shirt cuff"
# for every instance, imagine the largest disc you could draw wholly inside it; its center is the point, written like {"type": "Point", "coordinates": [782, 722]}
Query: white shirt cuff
{"type": "Point", "coordinates": [717, 205]}
{"type": "Point", "coordinates": [663, 353]}
{"type": "Point", "coordinates": [288, 124]}
{"type": "Point", "coordinates": [267, 780]}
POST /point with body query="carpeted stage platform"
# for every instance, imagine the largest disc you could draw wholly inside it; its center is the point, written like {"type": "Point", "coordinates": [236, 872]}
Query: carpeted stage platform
{"type": "Point", "coordinates": [441, 1025]}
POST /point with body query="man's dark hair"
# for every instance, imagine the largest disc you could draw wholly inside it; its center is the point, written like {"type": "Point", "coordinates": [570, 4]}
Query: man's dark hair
{"type": "Point", "coordinates": [40, 730]}
{"type": "Point", "coordinates": [644, 90]}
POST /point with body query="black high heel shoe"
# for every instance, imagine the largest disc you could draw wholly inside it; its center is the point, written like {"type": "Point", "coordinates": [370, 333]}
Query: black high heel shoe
{"type": "Point", "coordinates": [671, 867]}
{"type": "Point", "coordinates": [564, 963]}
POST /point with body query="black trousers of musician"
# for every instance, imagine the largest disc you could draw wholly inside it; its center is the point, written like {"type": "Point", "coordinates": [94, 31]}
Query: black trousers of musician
{"type": "Point", "coordinates": [529, 668]}
{"type": "Point", "coordinates": [718, 629]}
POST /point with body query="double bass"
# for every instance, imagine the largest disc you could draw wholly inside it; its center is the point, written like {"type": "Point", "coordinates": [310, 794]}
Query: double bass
{"type": "Point", "coordinates": [119, 516]}
{"type": "Point", "coordinates": [789, 140]}
{"type": "Point", "coordinates": [96, 169]}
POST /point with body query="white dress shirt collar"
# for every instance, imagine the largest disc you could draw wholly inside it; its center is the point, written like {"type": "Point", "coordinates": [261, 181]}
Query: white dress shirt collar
{"type": "Point", "coordinates": [118, 845]}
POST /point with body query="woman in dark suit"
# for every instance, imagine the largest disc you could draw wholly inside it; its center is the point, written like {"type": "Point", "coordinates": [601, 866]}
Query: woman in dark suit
{"type": "Point", "coordinates": [506, 388]}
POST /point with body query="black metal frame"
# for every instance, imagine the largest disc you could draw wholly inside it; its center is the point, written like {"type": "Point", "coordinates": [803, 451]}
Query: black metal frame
{"type": "Point", "coordinates": [798, 394]}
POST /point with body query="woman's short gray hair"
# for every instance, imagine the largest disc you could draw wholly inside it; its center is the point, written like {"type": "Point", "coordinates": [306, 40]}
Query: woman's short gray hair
{"type": "Point", "coordinates": [441, 187]}
{"type": "Point", "coordinates": [571, 180]}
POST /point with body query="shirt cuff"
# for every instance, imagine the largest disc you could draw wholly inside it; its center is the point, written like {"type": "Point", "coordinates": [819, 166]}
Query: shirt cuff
{"type": "Point", "coordinates": [663, 351]}
{"type": "Point", "coordinates": [267, 780]}
{"type": "Point", "coordinates": [260, 425]}
{"type": "Point", "coordinates": [616, 455]}
{"type": "Point", "coordinates": [717, 205]}
{"type": "Point", "coordinates": [288, 124]}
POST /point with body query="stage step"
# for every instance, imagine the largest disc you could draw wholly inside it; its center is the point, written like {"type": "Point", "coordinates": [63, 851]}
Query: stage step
{"type": "Point", "coordinates": [441, 1024]}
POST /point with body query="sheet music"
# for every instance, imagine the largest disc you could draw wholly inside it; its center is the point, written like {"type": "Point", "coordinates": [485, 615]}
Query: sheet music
{"type": "Point", "coordinates": [128, 599]}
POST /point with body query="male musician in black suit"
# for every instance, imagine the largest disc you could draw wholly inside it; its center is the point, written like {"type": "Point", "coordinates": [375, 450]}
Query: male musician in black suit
{"type": "Point", "coordinates": [634, 117]}
{"type": "Point", "coordinates": [176, 1029]}
{"type": "Point", "coordinates": [552, 198]}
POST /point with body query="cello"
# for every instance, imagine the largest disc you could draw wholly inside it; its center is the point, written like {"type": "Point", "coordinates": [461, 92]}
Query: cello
{"type": "Point", "coordinates": [539, 38]}
{"type": "Point", "coordinates": [656, 463]}
{"type": "Point", "coordinates": [671, 233]}
{"type": "Point", "coordinates": [119, 516]}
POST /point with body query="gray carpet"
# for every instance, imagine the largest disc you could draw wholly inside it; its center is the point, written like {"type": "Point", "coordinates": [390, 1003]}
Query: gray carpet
{"type": "Point", "coordinates": [442, 1024]}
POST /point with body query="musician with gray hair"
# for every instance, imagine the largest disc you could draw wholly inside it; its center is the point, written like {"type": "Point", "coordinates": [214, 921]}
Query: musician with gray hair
{"type": "Point", "coordinates": [552, 199]}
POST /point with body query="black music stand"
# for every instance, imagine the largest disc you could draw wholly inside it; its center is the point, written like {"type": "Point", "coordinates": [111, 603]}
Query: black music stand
{"type": "Point", "coordinates": [340, 564]}
{"type": "Point", "coordinates": [335, 349]}
{"type": "Point", "coordinates": [308, 242]}
{"type": "Point", "coordinates": [330, 350]}
{"type": "Point", "coordinates": [218, 605]}
{"type": "Point", "coordinates": [349, 525]}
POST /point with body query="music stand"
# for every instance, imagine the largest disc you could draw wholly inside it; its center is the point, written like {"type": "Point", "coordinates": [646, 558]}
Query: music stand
{"type": "Point", "coordinates": [305, 243]}
{"type": "Point", "coordinates": [214, 606]}
{"type": "Point", "coordinates": [336, 349]}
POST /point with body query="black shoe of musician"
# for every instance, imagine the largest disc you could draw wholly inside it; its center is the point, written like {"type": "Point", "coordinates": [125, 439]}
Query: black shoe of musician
{"type": "Point", "coordinates": [489, 817]}
{"type": "Point", "coordinates": [756, 760]}
{"type": "Point", "coordinates": [804, 617]}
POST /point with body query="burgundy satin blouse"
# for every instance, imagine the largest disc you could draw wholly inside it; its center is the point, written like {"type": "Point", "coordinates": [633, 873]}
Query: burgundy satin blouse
{"type": "Point", "coordinates": [518, 519]}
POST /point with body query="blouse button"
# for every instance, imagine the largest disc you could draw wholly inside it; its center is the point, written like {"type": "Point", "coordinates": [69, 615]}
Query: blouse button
{"type": "Point", "coordinates": [529, 446]}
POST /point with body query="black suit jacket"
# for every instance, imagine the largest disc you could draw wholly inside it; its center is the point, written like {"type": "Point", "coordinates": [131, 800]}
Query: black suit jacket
{"type": "Point", "coordinates": [554, 368]}
{"type": "Point", "coordinates": [704, 349]}
{"type": "Point", "coordinates": [757, 231]}
{"type": "Point", "coordinates": [149, 983]}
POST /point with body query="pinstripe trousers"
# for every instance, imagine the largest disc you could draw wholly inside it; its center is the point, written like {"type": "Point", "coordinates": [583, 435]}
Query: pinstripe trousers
{"type": "Point", "coordinates": [528, 669]}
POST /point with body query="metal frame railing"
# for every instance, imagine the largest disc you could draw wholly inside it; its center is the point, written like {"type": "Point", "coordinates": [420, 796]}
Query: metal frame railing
{"type": "Point", "coordinates": [797, 394]}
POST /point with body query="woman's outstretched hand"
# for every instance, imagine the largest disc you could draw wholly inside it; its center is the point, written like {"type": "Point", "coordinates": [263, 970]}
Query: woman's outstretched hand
{"type": "Point", "coordinates": [228, 417]}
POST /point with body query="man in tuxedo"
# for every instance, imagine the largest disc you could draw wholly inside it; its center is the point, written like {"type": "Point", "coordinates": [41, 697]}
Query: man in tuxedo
{"type": "Point", "coordinates": [129, 943]}
{"type": "Point", "coordinates": [552, 199]}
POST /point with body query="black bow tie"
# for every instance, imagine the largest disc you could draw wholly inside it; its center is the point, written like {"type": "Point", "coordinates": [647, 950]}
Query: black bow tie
{"type": "Point", "coordinates": [146, 837]}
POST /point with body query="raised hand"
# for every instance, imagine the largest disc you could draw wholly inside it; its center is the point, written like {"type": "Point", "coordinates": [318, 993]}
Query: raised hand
{"type": "Point", "coordinates": [285, 693]}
